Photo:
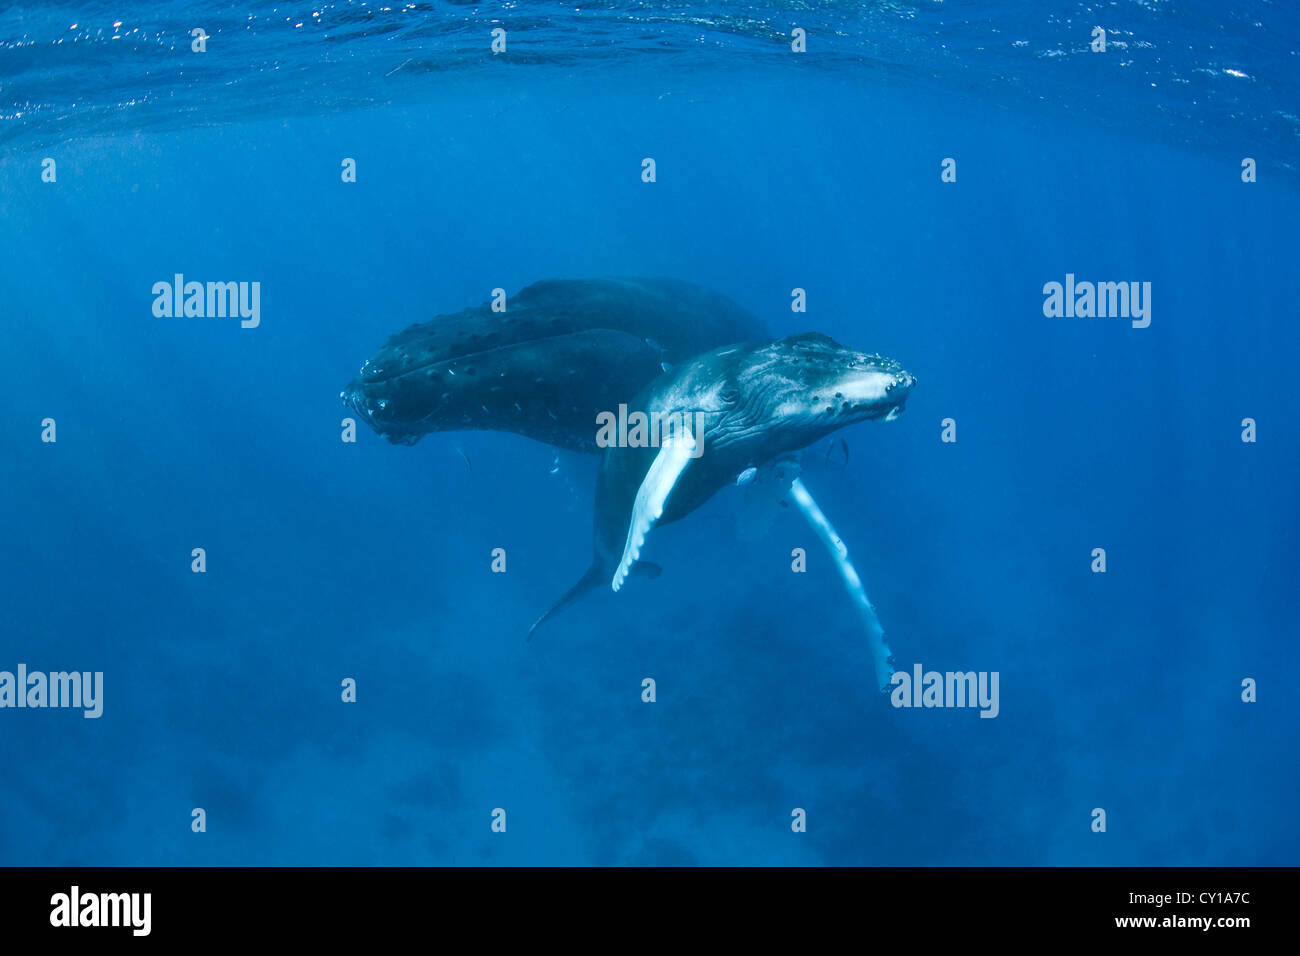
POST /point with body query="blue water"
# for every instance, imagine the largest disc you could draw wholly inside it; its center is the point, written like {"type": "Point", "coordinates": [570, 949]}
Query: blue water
{"type": "Point", "coordinates": [327, 560]}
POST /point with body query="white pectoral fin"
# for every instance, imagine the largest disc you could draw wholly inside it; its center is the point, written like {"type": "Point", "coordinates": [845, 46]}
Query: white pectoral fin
{"type": "Point", "coordinates": [674, 455]}
{"type": "Point", "coordinates": [853, 584]}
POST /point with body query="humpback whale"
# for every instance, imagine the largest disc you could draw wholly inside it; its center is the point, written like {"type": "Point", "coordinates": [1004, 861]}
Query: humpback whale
{"type": "Point", "coordinates": [567, 350]}
{"type": "Point", "coordinates": [562, 351]}
{"type": "Point", "coordinates": [758, 405]}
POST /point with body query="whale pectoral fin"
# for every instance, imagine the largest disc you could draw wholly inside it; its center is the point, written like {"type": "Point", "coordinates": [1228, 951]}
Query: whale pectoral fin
{"type": "Point", "coordinates": [853, 584]}
{"type": "Point", "coordinates": [656, 486]}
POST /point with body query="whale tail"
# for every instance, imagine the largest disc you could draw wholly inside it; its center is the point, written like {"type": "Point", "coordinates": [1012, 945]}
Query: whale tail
{"type": "Point", "coordinates": [597, 576]}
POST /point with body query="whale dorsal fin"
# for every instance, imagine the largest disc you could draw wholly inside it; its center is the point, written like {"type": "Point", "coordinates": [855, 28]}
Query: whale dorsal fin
{"type": "Point", "coordinates": [674, 455]}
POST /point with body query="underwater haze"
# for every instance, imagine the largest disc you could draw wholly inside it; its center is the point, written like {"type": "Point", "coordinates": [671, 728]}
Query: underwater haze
{"type": "Point", "coordinates": [1100, 511]}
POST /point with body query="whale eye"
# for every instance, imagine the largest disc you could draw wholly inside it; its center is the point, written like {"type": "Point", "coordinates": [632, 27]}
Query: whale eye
{"type": "Point", "coordinates": [729, 395]}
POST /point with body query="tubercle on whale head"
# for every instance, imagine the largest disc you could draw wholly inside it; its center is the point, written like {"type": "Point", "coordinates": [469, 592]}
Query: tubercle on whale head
{"type": "Point", "coordinates": [377, 409]}
{"type": "Point", "coordinates": [370, 408]}
{"type": "Point", "coordinates": [797, 389]}
{"type": "Point", "coordinates": [823, 378]}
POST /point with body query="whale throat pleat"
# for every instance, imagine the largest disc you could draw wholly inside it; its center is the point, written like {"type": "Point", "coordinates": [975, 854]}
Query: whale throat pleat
{"type": "Point", "coordinates": [674, 455]}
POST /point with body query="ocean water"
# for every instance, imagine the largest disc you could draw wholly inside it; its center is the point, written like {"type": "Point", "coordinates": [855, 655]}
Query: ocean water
{"type": "Point", "coordinates": [775, 170]}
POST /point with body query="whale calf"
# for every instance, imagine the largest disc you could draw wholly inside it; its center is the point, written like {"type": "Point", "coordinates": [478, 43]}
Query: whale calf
{"type": "Point", "coordinates": [741, 410]}
{"type": "Point", "coordinates": [562, 351]}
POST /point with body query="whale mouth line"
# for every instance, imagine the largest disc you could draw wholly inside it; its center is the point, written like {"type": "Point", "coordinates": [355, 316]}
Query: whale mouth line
{"type": "Point", "coordinates": [486, 352]}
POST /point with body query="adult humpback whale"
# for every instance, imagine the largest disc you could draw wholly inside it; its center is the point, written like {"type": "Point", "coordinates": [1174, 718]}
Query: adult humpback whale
{"type": "Point", "coordinates": [561, 352]}
{"type": "Point", "coordinates": [738, 409]}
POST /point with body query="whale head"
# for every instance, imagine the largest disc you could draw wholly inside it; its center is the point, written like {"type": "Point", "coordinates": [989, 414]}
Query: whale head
{"type": "Point", "coordinates": [789, 393]}
{"type": "Point", "coordinates": [401, 408]}
{"type": "Point", "coordinates": [564, 350]}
